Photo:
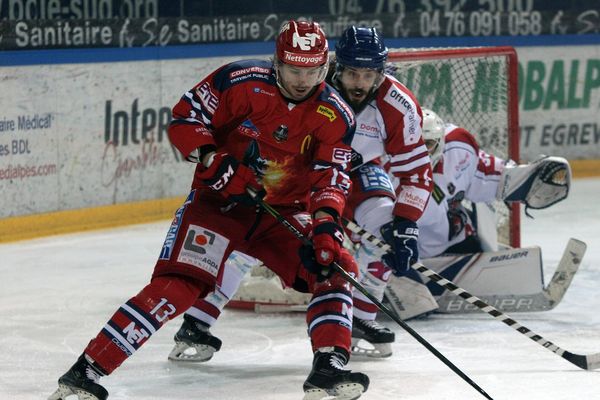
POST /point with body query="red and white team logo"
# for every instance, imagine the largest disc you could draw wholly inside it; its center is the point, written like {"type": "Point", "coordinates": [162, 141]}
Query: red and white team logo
{"type": "Point", "coordinates": [304, 42]}
{"type": "Point", "coordinates": [341, 155]}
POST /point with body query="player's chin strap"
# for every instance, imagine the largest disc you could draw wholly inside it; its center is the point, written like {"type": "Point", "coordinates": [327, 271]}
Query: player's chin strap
{"type": "Point", "coordinates": [538, 185]}
{"type": "Point", "coordinates": [350, 279]}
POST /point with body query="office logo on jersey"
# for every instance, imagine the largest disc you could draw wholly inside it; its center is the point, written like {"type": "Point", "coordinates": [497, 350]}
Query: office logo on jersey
{"type": "Point", "coordinates": [207, 97]}
{"type": "Point", "coordinates": [341, 156]}
{"type": "Point", "coordinates": [203, 249]}
{"type": "Point", "coordinates": [411, 120]}
{"type": "Point", "coordinates": [328, 112]}
{"type": "Point", "coordinates": [281, 134]}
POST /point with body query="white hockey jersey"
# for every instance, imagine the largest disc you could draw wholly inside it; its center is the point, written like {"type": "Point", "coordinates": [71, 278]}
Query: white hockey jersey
{"type": "Point", "coordinates": [463, 172]}
{"type": "Point", "coordinates": [390, 126]}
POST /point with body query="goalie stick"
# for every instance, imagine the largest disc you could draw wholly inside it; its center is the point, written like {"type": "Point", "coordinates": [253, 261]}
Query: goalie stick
{"type": "Point", "coordinates": [350, 279]}
{"type": "Point", "coordinates": [589, 362]}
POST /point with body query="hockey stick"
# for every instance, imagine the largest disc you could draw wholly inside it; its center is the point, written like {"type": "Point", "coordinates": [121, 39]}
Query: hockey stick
{"type": "Point", "coordinates": [589, 362]}
{"type": "Point", "coordinates": [348, 278]}
{"type": "Point", "coordinates": [544, 300]}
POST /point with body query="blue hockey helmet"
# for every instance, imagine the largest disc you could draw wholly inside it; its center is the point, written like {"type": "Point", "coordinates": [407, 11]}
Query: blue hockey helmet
{"type": "Point", "coordinates": [361, 47]}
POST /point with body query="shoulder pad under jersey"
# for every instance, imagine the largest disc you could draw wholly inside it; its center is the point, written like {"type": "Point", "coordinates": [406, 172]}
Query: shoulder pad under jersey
{"type": "Point", "coordinates": [243, 71]}
{"type": "Point", "coordinates": [331, 96]}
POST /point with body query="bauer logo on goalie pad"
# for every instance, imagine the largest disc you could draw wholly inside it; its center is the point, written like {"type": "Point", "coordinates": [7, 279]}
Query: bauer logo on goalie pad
{"type": "Point", "coordinates": [203, 249]}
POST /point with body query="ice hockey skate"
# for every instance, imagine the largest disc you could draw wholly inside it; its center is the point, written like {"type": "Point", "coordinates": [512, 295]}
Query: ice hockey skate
{"type": "Point", "coordinates": [329, 380]}
{"type": "Point", "coordinates": [194, 342]}
{"type": "Point", "coordinates": [371, 339]}
{"type": "Point", "coordinates": [80, 380]}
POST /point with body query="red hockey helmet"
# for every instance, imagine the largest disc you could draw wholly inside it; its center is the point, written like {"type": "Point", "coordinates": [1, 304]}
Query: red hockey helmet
{"type": "Point", "coordinates": [303, 44]}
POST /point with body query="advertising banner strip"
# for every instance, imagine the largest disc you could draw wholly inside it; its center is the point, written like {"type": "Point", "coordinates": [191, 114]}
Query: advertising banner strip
{"type": "Point", "coordinates": [69, 221]}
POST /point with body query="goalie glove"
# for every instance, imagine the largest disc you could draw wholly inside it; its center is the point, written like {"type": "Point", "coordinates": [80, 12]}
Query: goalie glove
{"type": "Point", "coordinates": [402, 235]}
{"type": "Point", "coordinates": [538, 185]}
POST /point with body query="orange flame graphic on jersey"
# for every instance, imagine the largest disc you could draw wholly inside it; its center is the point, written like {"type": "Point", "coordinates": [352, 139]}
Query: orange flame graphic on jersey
{"type": "Point", "coordinates": [276, 173]}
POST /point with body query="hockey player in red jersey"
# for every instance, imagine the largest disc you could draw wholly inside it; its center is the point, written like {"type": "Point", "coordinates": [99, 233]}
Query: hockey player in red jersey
{"type": "Point", "coordinates": [277, 129]}
{"type": "Point", "coordinates": [388, 124]}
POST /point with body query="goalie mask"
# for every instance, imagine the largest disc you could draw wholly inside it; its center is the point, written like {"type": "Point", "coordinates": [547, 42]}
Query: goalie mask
{"type": "Point", "coordinates": [301, 58]}
{"type": "Point", "coordinates": [433, 134]}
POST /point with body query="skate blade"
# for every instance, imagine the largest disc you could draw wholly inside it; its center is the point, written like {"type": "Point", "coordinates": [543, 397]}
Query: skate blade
{"type": "Point", "coordinates": [363, 348]}
{"type": "Point", "coordinates": [344, 391]}
{"type": "Point", "coordinates": [65, 392]}
{"type": "Point", "coordinates": [196, 353]}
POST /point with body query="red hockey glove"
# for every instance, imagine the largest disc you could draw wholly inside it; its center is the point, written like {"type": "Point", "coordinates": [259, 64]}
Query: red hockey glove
{"type": "Point", "coordinates": [232, 179]}
{"type": "Point", "coordinates": [327, 238]}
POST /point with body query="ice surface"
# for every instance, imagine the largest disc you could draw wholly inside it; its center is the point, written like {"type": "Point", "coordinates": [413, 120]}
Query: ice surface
{"type": "Point", "coordinates": [57, 292]}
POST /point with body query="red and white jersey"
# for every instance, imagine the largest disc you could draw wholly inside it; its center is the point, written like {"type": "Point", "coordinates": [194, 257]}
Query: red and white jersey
{"type": "Point", "coordinates": [464, 171]}
{"type": "Point", "coordinates": [295, 148]}
{"type": "Point", "coordinates": [390, 127]}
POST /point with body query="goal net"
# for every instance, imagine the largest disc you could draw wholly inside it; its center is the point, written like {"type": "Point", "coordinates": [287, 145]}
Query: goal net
{"type": "Point", "coordinates": [474, 88]}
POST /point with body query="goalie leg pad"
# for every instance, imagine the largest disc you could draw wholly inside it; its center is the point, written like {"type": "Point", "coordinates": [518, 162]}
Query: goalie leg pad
{"type": "Point", "coordinates": [409, 298]}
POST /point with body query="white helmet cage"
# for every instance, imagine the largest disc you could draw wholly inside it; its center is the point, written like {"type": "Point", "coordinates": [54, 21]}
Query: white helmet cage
{"type": "Point", "coordinates": [433, 134]}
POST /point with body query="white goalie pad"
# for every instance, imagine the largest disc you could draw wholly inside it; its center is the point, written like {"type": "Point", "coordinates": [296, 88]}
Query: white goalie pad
{"type": "Point", "coordinates": [408, 298]}
{"type": "Point", "coordinates": [263, 291]}
{"type": "Point", "coordinates": [538, 185]}
{"type": "Point", "coordinates": [508, 279]}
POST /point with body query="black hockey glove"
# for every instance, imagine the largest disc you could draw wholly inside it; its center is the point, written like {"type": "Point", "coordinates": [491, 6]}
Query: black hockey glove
{"type": "Point", "coordinates": [402, 235]}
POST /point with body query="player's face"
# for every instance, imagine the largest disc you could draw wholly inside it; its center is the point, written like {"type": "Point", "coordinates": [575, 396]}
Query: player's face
{"type": "Point", "coordinates": [431, 145]}
{"type": "Point", "coordinates": [357, 83]}
{"type": "Point", "coordinates": [297, 83]}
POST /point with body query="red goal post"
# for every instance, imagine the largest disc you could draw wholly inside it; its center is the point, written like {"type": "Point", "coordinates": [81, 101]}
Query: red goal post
{"type": "Point", "coordinates": [475, 88]}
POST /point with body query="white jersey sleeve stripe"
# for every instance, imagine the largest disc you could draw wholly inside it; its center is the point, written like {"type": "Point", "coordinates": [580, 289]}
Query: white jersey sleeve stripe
{"type": "Point", "coordinates": [407, 156]}
{"type": "Point", "coordinates": [410, 166]}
